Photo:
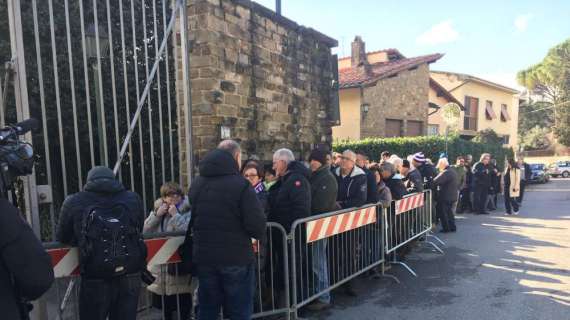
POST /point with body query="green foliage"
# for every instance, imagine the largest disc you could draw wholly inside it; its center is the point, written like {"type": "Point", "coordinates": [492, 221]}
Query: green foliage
{"type": "Point", "coordinates": [535, 139]}
{"type": "Point", "coordinates": [535, 114]}
{"type": "Point", "coordinates": [488, 136]}
{"type": "Point", "coordinates": [551, 79]}
{"type": "Point", "coordinates": [431, 146]}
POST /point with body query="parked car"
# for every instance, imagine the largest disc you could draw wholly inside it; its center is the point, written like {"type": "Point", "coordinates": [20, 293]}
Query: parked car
{"type": "Point", "coordinates": [538, 173]}
{"type": "Point", "coordinates": [559, 168]}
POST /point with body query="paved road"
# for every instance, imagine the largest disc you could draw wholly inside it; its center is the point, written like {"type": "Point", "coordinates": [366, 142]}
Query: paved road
{"type": "Point", "coordinates": [494, 267]}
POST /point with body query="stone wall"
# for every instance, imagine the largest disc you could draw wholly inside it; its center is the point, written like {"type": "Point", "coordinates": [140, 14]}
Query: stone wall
{"type": "Point", "coordinates": [262, 76]}
{"type": "Point", "coordinates": [404, 97]}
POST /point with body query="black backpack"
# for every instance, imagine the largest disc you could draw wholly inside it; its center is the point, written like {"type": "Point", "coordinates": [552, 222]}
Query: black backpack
{"type": "Point", "coordinates": [111, 243]}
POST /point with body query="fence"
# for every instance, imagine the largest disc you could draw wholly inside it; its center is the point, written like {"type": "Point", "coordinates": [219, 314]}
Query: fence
{"type": "Point", "coordinates": [320, 254]}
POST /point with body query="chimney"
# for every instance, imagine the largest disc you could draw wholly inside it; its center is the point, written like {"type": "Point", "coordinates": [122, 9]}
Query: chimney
{"type": "Point", "coordinates": [358, 56]}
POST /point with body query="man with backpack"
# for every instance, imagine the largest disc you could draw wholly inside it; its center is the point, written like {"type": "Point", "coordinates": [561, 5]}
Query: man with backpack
{"type": "Point", "coordinates": [105, 221]}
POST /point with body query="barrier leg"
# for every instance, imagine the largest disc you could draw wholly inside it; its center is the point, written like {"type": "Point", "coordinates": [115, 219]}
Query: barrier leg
{"type": "Point", "coordinates": [430, 234]}
{"type": "Point", "coordinates": [385, 275]}
{"type": "Point", "coordinates": [410, 270]}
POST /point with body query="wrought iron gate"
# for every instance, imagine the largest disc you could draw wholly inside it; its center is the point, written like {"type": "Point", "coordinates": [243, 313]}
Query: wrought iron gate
{"type": "Point", "coordinates": [96, 73]}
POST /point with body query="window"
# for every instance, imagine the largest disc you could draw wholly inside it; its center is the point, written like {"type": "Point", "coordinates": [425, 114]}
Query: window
{"type": "Point", "coordinates": [393, 128]}
{"type": "Point", "coordinates": [504, 113]}
{"type": "Point", "coordinates": [506, 139]}
{"type": "Point", "coordinates": [489, 112]}
{"type": "Point", "coordinates": [471, 112]}
{"type": "Point", "coordinates": [415, 128]}
{"type": "Point", "coordinates": [433, 130]}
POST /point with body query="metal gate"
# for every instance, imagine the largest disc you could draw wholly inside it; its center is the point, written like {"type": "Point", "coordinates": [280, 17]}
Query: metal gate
{"type": "Point", "coordinates": [87, 69]}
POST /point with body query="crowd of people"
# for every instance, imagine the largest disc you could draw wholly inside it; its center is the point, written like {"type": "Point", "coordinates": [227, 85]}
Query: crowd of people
{"type": "Point", "coordinates": [230, 203]}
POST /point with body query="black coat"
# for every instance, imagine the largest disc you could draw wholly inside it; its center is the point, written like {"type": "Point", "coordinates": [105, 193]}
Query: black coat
{"type": "Point", "coordinates": [371, 187]}
{"type": "Point", "coordinates": [290, 197]}
{"type": "Point", "coordinates": [23, 261]}
{"type": "Point", "coordinates": [414, 182]}
{"type": "Point", "coordinates": [396, 186]}
{"type": "Point", "coordinates": [226, 213]}
{"type": "Point", "coordinates": [324, 190]}
{"type": "Point", "coordinates": [100, 191]}
{"type": "Point", "coordinates": [352, 189]}
{"type": "Point", "coordinates": [481, 176]}
{"type": "Point", "coordinates": [428, 172]}
{"type": "Point", "coordinates": [447, 182]}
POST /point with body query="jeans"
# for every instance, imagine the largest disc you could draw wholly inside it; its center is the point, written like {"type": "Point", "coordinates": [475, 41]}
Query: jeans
{"type": "Point", "coordinates": [321, 270]}
{"type": "Point", "coordinates": [230, 288]}
{"type": "Point", "coordinates": [116, 298]}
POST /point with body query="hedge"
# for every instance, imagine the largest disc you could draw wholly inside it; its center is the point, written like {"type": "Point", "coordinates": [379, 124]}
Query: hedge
{"type": "Point", "coordinates": [431, 146]}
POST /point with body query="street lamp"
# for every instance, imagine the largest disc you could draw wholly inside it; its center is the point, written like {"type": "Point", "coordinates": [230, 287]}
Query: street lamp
{"type": "Point", "coordinates": [92, 34]}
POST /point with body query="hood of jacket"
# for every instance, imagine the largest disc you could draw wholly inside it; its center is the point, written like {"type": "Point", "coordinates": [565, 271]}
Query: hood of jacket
{"type": "Point", "coordinates": [356, 171]}
{"type": "Point", "coordinates": [299, 168]}
{"type": "Point", "coordinates": [320, 171]}
{"type": "Point", "coordinates": [218, 163]}
{"type": "Point", "coordinates": [102, 180]}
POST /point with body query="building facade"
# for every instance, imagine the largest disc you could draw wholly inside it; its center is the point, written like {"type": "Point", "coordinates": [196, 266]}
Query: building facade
{"type": "Point", "coordinates": [487, 105]}
{"type": "Point", "coordinates": [382, 94]}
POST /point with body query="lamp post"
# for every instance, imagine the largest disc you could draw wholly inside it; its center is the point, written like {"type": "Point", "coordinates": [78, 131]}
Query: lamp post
{"type": "Point", "coordinates": [92, 35]}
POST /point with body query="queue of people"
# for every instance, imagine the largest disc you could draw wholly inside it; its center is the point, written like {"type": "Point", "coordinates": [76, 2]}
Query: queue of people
{"type": "Point", "coordinates": [228, 205]}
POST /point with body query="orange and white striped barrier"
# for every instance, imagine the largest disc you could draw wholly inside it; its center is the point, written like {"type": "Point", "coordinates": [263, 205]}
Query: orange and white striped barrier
{"type": "Point", "coordinates": [65, 261]}
{"type": "Point", "coordinates": [409, 203]}
{"type": "Point", "coordinates": [330, 226]}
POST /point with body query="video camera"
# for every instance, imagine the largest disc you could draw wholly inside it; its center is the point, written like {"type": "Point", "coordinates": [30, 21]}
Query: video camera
{"type": "Point", "coordinates": [16, 156]}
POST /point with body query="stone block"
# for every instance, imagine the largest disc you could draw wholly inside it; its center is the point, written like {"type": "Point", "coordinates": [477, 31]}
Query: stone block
{"type": "Point", "coordinates": [233, 99]}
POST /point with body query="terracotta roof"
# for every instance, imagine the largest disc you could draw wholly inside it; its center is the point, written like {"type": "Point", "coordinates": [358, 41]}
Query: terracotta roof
{"type": "Point", "coordinates": [466, 77]}
{"type": "Point", "coordinates": [389, 51]}
{"type": "Point", "coordinates": [354, 77]}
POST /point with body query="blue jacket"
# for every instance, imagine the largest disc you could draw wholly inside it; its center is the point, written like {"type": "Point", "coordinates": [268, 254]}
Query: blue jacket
{"type": "Point", "coordinates": [352, 189]}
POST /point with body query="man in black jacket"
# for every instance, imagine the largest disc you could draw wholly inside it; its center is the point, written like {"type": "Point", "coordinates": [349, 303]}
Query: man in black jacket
{"type": "Point", "coordinates": [25, 268]}
{"type": "Point", "coordinates": [289, 200]}
{"type": "Point", "coordinates": [427, 170]}
{"type": "Point", "coordinates": [371, 187]}
{"type": "Point", "coordinates": [226, 215]}
{"type": "Point", "coordinates": [526, 174]}
{"type": "Point", "coordinates": [114, 297]}
{"type": "Point", "coordinates": [352, 193]}
{"type": "Point", "coordinates": [323, 200]}
{"type": "Point", "coordinates": [447, 182]}
{"type": "Point", "coordinates": [481, 183]}
{"type": "Point", "coordinates": [413, 181]}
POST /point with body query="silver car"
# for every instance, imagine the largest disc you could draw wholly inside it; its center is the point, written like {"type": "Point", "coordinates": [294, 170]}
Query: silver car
{"type": "Point", "coordinates": [559, 168]}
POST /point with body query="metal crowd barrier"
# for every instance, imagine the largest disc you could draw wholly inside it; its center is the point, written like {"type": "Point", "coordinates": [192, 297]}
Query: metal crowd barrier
{"type": "Point", "coordinates": [329, 250]}
{"type": "Point", "coordinates": [271, 298]}
{"type": "Point", "coordinates": [408, 220]}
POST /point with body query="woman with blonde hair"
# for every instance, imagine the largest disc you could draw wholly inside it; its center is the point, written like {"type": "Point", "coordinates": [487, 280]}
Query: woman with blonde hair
{"type": "Point", "coordinates": [511, 187]}
{"type": "Point", "coordinates": [170, 289]}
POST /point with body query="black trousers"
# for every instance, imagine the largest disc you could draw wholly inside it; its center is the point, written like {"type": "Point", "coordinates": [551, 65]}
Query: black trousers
{"type": "Point", "coordinates": [465, 201]}
{"type": "Point", "coordinates": [510, 201]}
{"type": "Point", "coordinates": [445, 215]}
{"type": "Point", "coordinates": [480, 198]}
{"type": "Point", "coordinates": [523, 185]}
{"type": "Point", "coordinates": [169, 305]}
{"type": "Point", "coordinates": [115, 298]}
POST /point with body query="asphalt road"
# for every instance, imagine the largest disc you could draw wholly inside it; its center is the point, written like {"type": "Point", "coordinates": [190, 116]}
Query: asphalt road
{"type": "Point", "coordinates": [494, 267]}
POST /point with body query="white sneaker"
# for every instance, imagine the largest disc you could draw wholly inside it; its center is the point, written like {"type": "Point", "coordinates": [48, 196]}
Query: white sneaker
{"type": "Point", "coordinates": [506, 214]}
{"type": "Point", "coordinates": [516, 213]}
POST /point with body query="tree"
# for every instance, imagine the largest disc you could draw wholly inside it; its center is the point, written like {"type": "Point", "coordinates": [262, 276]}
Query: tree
{"type": "Point", "coordinates": [535, 139]}
{"type": "Point", "coordinates": [488, 136]}
{"type": "Point", "coordinates": [550, 79]}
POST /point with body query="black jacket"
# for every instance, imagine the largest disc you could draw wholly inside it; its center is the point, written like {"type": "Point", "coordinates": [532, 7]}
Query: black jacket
{"type": "Point", "coordinates": [226, 213]}
{"type": "Point", "coordinates": [396, 186]}
{"type": "Point", "coordinates": [97, 191]}
{"type": "Point", "coordinates": [481, 176]}
{"type": "Point", "coordinates": [352, 189]}
{"type": "Point", "coordinates": [371, 187]}
{"type": "Point", "coordinates": [414, 182]}
{"type": "Point", "coordinates": [448, 185]}
{"type": "Point", "coordinates": [290, 197]}
{"type": "Point", "coordinates": [527, 171]}
{"type": "Point", "coordinates": [428, 172]}
{"type": "Point", "coordinates": [324, 190]}
{"type": "Point", "coordinates": [23, 261]}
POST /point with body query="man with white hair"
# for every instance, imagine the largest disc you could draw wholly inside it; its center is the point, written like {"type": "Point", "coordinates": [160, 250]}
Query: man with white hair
{"type": "Point", "coordinates": [447, 183]}
{"type": "Point", "coordinates": [482, 183]}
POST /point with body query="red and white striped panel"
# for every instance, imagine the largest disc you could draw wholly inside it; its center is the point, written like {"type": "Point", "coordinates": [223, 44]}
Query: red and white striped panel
{"type": "Point", "coordinates": [329, 226]}
{"type": "Point", "coordinates": [409, 203]}
{"type": "Point", "coordinates": [65, 261]}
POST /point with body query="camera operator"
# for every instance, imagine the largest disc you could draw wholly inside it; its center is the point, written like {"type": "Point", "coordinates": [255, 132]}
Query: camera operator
{"type": "Point", "coordinates": [25, 267]}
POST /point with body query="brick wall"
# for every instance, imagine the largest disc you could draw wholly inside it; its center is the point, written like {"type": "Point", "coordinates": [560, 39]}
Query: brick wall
{"type": "Point", "coordinates": [404, 97]}
{"type": "Point", "coordinates": [261, 75]}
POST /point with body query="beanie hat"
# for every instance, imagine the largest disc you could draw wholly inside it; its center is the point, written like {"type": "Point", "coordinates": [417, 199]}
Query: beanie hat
{"type": "Point", "coordinates": [419, 157]}
{"type": "Point", "coordinates": [406, 163]}
{"type": "Point", "coordinates": [319, 155]}
{"type": "Point", "coordinates": [100, 172]}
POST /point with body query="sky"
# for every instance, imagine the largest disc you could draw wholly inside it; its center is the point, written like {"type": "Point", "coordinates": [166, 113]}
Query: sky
{"type": "Point", "coordinates": [489, 39]}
